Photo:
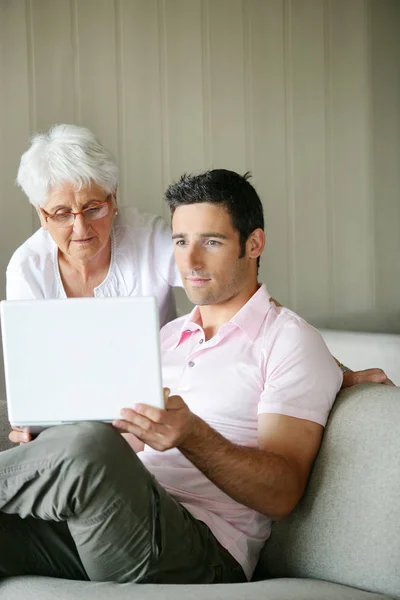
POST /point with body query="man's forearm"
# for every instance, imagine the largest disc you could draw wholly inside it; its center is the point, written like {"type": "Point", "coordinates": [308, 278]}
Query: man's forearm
{"type": "Point", "coordinates": [260, 480]}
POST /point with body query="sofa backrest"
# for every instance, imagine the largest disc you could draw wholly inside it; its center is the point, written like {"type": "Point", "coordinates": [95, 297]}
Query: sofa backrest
{"type": "Point", "coordinates": [362, 350]}
{"type": "Point", "coordinates": [346, 528]}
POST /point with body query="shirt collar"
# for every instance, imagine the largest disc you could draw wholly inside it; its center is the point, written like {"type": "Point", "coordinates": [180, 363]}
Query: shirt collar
{"type": "Point", "coordinates": [249, 318]}
{"type": "Point", "coordinates": [191, 323]}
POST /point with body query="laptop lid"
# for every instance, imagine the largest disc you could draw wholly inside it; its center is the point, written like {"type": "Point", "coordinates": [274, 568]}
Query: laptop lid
{"type": "Point", "coordinates": [80, 358]}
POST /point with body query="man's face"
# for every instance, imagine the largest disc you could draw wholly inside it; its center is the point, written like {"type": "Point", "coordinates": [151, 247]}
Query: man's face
{"type": "Point", "coordinates": [207, 249]}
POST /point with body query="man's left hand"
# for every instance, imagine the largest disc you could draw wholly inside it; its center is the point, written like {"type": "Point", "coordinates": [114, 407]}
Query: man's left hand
{"type": "Point", "coordinates": [159, 429]}
{"type": "Point", "coordinates": [351, 378]}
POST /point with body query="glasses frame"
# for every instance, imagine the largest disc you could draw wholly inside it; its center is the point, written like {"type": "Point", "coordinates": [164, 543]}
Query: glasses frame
{"type": "Point", "coordinates": [81, 212]}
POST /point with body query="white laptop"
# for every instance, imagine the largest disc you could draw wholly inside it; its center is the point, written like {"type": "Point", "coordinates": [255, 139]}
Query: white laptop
{"type": "Point", "coordinates": [81, 359]}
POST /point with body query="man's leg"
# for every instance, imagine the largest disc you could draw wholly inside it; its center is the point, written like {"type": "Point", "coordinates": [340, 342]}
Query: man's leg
{"type": "Point", "coordinates": [124, 525]}
{"type": "Point", "coordinates": [40, 547]}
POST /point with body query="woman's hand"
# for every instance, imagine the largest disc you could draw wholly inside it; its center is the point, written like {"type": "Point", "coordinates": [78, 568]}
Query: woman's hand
{"type": "Point", "coordinates": [351, 378]}
{"type": "Point", "coordinates": [20, 435]}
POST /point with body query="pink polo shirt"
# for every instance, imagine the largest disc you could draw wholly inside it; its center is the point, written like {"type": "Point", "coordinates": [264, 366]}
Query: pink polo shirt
{"type": "Point", "coordinates": [264, 360]}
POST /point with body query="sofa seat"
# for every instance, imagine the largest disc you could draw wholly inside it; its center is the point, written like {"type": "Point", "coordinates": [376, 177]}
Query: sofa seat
{"type": "Point", "coordinates": [45, 588]}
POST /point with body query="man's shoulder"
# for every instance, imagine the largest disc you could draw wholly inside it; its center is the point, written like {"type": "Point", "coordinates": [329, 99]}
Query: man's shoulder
{"type": "Point", "coordinates": [34, 250]}
{"type": "Point", "coordinates": [284, 328]}
{"type": "Point", "coordinates": [284, 317]}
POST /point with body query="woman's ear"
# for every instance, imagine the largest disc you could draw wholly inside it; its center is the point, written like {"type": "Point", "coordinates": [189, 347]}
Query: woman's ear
{"type": "Point", "coordinates": [42, 220]}
{"type": "Point", "coordinates": [114, 197]}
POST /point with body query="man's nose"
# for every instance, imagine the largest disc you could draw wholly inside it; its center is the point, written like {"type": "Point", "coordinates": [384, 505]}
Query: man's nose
{"type": "Point", "coordinates": [194, 258]}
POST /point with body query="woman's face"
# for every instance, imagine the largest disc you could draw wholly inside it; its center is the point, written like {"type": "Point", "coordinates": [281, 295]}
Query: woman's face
{"type": "Point", "coordinates": [84, 240]}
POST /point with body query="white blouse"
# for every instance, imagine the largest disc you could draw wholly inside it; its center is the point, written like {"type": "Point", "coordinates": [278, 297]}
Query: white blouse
{"type": "Point", "coordinates": [142, 264]}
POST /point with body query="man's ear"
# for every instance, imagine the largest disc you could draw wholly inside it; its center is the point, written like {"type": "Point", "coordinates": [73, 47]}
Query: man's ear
{"type": "Point", "coordinates": [42, 220]}
{"type": "Point", "coordinates": [255, 243]}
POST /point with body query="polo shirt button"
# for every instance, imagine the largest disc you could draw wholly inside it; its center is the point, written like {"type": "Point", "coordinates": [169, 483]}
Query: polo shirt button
{"type": "Point", "coordinates": [201, 341]}
{"type": "Point", "coordinates": [188, 330]}
{"type": "Point", "coordinates": [191, 363]}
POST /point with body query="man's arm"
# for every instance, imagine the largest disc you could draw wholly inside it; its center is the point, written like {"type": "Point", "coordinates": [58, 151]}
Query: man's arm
{"type": "Point", "coordinates": [269, 479]}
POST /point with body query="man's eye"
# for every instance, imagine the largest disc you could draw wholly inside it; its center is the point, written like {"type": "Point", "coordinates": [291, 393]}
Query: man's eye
{"type": "Point", "coordinates": [213, 243]}
{"type": "Point", "coordinates": [180, 242]}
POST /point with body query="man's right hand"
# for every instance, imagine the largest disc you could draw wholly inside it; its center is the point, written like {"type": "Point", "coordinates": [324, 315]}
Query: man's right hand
{"type": "Point", "coordinates": [20, 435]}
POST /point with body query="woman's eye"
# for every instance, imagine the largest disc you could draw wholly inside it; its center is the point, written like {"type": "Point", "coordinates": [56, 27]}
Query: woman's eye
{"type": "Point", "coordinates": [60, 217]}
{"type": "Point", "coordinates": [92, 210]}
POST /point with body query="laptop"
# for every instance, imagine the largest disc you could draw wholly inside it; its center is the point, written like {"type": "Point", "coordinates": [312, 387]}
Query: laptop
{"type": "Point", "coordinates": [79, 359]}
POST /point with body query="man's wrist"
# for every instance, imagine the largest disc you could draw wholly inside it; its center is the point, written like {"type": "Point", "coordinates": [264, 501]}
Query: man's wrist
{"type": "Point", "coordinates": [191, 439]}
{"type": "Point", "coordinates": [343, 368]}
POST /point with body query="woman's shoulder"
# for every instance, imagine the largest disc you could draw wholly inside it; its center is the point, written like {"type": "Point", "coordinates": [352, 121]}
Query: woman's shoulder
{"type": "Point", "coordinates": [34, 251]}
{"type": "Point", "coordinates": [131, 219]}
{"type": "Point", "coordinates": [131, 225]}
{"type": "Point", "coordinates": [143, 244]}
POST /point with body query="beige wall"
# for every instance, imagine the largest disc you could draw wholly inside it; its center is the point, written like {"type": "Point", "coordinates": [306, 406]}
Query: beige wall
{"type": "Point", "coordinates": [304, 93]}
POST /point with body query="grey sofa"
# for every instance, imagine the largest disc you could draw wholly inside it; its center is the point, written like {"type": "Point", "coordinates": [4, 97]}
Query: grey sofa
{"type": "Point", "coordinates": [341, 542]}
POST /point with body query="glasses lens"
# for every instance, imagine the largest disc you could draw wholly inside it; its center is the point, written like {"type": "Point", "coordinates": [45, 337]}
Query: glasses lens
{"type": "Point", "coordinates": [62, 220]}
{"type": "Point", "coordinates": [96, 212]}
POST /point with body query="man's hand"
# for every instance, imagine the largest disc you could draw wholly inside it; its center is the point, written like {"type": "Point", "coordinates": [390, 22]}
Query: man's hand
{"type": "Point", "coordinates": [159, 429]}
{"type": "Point", "coordinates": [20, 436]}
{"type": "Point", "coordinates": [351, 378]}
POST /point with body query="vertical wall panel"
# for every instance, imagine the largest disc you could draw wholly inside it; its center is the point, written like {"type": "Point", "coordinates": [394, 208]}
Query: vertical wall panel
{"type": "Point", "coordinates": [350, 157]}
{"type": "Point", "coordinates": [385, 46]}
{"type": "Point", "coordinates": [141, 159]}
{"type": "Point", "coordinates": [310, 251]}
{"type": "Point", "coordinates": [184, 94]}
{"type": "Point", "coordinates": [53, 71]}
{"type": "Point", "coordinates": [269, 138]}
{"type": "Point", "coordinates": [15, 211]}
{"type": "Point", "coordinates": [98, 70]}
{"type": "Point", "coordinates": [228, 136]}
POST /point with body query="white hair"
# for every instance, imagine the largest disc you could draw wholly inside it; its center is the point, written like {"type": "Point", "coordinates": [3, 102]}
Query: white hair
{"type": "Point", "coordinates": [66, 154]}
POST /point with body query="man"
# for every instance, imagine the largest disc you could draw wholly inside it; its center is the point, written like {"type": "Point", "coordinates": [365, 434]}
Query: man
{"type": "Point", "coordinates": [248, 390]}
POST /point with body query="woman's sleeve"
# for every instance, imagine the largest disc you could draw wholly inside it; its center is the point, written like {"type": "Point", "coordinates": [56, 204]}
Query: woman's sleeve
{"type": "Point", "coordinates": [19, 287]}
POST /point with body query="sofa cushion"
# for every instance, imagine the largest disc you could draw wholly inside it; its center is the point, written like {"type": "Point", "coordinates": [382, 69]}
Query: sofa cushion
{"type": "Point", "coordinates": [42, 588]}
{"type": "Point", "coordinates": [346, 529]}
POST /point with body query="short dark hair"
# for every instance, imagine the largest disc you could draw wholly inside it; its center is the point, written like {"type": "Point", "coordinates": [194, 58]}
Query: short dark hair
{"type": "Point", "coordinates": [227, 188]}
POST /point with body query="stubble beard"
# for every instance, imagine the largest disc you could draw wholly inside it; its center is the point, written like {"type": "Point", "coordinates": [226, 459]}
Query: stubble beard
{"type": "Point", "coordinates": [223, 293]}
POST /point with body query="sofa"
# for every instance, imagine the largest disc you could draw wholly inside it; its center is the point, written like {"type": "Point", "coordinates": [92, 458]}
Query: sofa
{"type": "Point", "coordinates": [342, 542]}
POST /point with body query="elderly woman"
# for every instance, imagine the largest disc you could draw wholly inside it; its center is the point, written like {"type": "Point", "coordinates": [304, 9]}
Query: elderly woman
{"type": "Point", "coordinates": [84, 248]}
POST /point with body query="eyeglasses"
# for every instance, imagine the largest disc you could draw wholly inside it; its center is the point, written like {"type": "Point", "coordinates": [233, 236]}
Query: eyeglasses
{"type": "Point", "coordinates": [67, 219]}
